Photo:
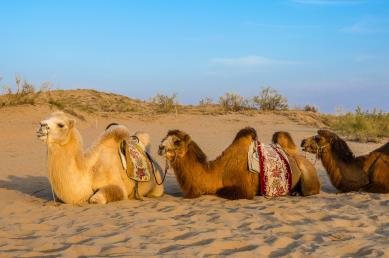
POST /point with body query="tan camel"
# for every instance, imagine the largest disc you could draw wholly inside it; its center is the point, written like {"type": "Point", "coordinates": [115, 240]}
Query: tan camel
{"type": "Point", "coordinates": [347, 173]}
{"type": "Point", "coordinates": [95, 175]}
{"type": "Point", "coordinates": [304, 174]}
{"type": "Point", "coordinates": [227, 176]}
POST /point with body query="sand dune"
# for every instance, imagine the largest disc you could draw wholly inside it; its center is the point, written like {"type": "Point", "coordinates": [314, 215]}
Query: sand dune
{"type": "Point", "coordinates": [325, 225]}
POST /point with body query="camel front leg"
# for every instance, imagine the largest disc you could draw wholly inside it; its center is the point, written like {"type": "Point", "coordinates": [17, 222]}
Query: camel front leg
{"type": "Point", "coordinates": [310, 183]}
{"type": "Point", "coordinates": [106, 194]}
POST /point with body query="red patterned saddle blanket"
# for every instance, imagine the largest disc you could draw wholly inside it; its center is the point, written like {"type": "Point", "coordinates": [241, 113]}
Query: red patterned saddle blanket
{"type": "Point", "coordinates": [272, 164]}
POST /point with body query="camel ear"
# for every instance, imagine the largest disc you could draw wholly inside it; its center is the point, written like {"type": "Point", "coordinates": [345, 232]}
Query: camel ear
{"type": "Point", "coordinates": [71, 123]}
{"type": "Point", "coordinates": [187, 138]}
{"type": "Point", "coordinates": [325, 133]}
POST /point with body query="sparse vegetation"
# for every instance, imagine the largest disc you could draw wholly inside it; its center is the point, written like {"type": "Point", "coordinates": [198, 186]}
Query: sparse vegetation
{"type": "Point", "coordinates": [165, 103]}
{"type": "Point", "coordinates": [311, 108]}
{"type": "Point", "coordinates": [206, 101]}
{"type": "Point", "coordinates": [233, 102]}
{"type": "Point", "coordinates": [270, 99]}
{"type": "Point", "coordinates": [362, 126]}
{"type": "Point", "coordinates": [25, 94]}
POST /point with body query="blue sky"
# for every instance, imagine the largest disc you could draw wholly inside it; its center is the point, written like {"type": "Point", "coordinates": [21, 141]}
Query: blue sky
{"type": "Point", "coordinates": [322, 52]}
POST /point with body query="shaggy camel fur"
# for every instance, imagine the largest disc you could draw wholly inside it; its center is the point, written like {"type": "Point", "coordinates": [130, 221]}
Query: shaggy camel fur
{"type": "Point", "coordinates": [95, 175]}
{"type": "Point", "coordinates": [227, 176]}
{"type": "Point", "coordinates": [368, 173]}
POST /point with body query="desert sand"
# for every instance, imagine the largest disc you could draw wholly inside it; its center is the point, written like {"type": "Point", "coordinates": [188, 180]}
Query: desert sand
{"type": "Point", "coordinates": [325, 225]}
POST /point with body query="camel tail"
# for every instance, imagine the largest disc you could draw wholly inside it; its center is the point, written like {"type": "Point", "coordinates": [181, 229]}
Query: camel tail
{"type": "Point", "coordinates": [144, 138]}
{"type": "Point", "coordinates": [246, 132]}
{"type": "Point", "coordinates": [231, 193]}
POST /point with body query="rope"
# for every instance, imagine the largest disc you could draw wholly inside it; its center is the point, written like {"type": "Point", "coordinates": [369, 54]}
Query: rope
{"type": "Point", "coordinates": [47, 154]}
{"type": "Point", "coordinates": [153, 169]}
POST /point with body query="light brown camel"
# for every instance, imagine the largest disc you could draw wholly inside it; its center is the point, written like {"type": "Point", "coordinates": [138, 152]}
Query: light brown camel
{"type": "Point", "coordinates": [227, 176]}
{"type": "Point", "coordinates": [347, 173]}
{"type": "Point", "coordinates": [95, 175]}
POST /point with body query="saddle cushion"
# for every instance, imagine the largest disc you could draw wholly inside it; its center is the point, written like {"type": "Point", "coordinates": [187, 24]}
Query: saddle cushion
{"type": "Point", "coordinates": [142, 169]}
{"type": "Point", "coordinates": [272, 164]}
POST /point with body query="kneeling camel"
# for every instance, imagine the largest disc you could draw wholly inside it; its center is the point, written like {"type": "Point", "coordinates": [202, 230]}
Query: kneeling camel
{"type": "Point", "coordinates": [95, 175]}
{"type": "Point", "coordinates": [228, 175]}
{"type": "Point", "coordinates": [347, 173]}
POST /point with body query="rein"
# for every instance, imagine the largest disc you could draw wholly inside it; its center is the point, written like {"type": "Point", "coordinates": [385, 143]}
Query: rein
{"type": "Point", "coordinates": [51, 185]}
{"type": "Point", "coordinates": [319, 151]}
{"type": "Point", "coordinates": [166, 167]}
{"type": "Point", "coordinates": [153, 169]}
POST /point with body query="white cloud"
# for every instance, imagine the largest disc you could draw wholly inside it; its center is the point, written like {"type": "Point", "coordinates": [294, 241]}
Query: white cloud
{"type": "Point", "coordinates": [251, 61]}
{"type": "Point", "coordinates": [330, 2]}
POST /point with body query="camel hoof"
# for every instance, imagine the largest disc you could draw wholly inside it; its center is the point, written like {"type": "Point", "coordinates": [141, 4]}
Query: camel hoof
{"type": "Point", "coordinates": [98, 198]}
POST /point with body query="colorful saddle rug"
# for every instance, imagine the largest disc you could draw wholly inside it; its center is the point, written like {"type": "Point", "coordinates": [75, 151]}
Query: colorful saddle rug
{"type": "Point", "coordinates": [136, 154]}
{"type": "Point", "coordinates": [272, 164]}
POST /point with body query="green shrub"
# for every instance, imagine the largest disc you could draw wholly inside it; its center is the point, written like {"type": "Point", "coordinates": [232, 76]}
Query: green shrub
{"type": "Point", "coordinates": [165, 103]}
{"type": "Point", "coordinates": [363, 126]}
{"type": "Point", "coordinates": [233, 102]}
{"type": "Point", "coordinates": [310, 108]}
{"type": "Point", "coordinates": [270, 99]}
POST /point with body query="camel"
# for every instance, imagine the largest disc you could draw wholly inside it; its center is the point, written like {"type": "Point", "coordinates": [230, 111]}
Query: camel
{"type": "Point", "coordinates": [95, 175]}
{"type": "Point", "coordinates": [227, 176]}
{"type": "Point", "coordinates": [347, 173]}
{"type": "Point", "coordinates": [304, 174]}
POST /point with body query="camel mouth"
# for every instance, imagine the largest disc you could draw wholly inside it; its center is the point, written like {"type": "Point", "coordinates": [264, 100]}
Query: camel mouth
{"type": "Point", "coordinates": [308, 149]}
{"type": "Point", "coordinates": [42, 133]}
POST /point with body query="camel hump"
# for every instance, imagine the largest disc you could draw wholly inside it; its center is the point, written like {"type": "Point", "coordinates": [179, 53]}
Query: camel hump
{"type": "Point", "coordinates": [246, 132]}
{"type": "Point", "coordinates": [285, 140]}
{"type": "Point", "coordinates": [144, 138]}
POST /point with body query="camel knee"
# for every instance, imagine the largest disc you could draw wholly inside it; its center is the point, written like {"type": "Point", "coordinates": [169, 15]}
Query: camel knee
{"type": "Point", "coordinates": [310, 186]}
{"type": "Point", "coordinates": [106, 194]}
{"type": "Point", "coordinates": [157, 191]}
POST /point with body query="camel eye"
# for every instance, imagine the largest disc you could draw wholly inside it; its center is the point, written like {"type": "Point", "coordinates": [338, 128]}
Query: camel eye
{"type": "Point", "coordinates": [177, 142]}
{"type": "Point", "coordinates": [317, 138]}
{"type": "Point", "coordinates": [60, 125]}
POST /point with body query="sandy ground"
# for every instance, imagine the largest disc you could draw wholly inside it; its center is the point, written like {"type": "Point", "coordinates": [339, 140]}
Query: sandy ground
{"type": "Point", "coordinates": [325, 225]}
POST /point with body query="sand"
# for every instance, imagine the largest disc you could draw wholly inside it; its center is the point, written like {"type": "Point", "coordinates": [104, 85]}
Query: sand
{"type": "Point", "coordinates": [325, 225]}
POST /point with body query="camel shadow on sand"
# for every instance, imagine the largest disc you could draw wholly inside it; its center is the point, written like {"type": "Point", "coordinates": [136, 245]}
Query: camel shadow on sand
{"type": "Point", "coordinates": [37, 186]}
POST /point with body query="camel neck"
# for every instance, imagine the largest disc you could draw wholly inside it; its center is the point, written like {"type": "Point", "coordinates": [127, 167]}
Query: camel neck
{"type": "Point", "coordinates": [331, 164]}
{"type": "Point", "coordinates": [67, 173]}
{"type": "Point", "coordinates": [193, 176]}
{"type": "Point", "coordinates": [344, 176]}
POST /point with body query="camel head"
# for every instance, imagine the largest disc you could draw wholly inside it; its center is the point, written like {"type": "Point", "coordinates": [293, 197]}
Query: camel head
{"type": "Point", "coordinates": [174, 145]}
{"type": "Point", "coordinates": [327, 140]}
{"type": "Point", "coordinates": [316, 143]}
{"type": "Point", "coordinates": [55, 129]}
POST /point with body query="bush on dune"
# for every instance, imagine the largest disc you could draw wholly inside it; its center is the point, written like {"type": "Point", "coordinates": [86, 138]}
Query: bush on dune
{"type": "Point", "coordinates": [165, 103]}
{"type": "Point", "coordinates": [362, 126]}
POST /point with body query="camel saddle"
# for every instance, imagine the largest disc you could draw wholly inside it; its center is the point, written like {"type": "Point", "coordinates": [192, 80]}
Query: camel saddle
{"type": "Point", "coordinates": [135, 160]}
{"type": "Point", "coordinates": [273, 167]}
